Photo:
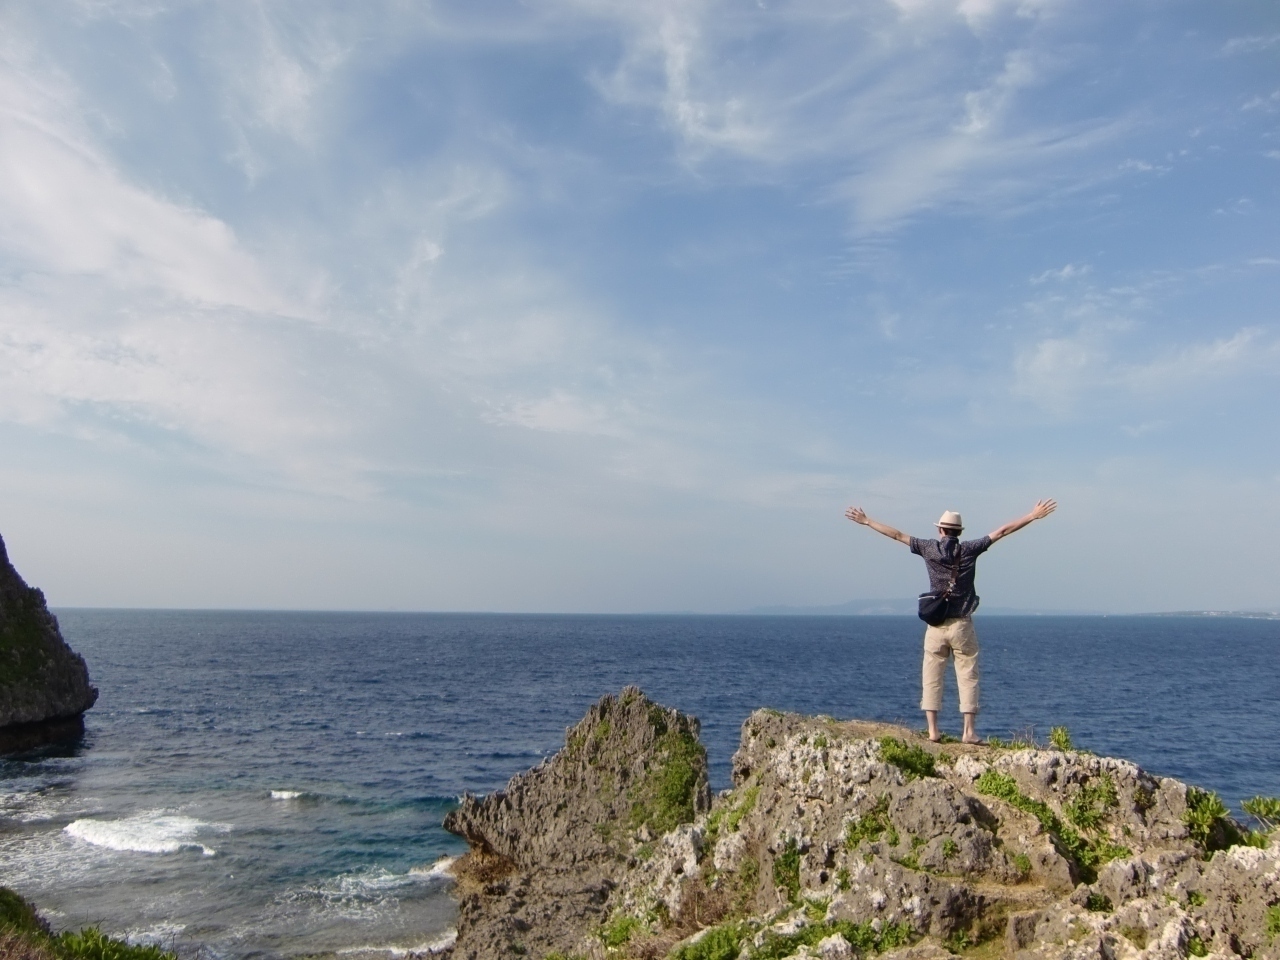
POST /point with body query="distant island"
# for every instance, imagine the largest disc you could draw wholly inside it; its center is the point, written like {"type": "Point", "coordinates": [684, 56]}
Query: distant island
{"type": "Point", "coordinates": [902, 607]}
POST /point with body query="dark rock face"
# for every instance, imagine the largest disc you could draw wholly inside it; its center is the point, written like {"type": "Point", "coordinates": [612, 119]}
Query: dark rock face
{"type": "Point", "coordinates": [547, 852]}
{"type": "Point", "coordinates": [42, 680]}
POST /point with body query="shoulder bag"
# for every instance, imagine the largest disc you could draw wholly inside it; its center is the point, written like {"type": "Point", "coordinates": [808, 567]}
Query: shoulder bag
{"type": "Point", "coordinates": [935, 607]}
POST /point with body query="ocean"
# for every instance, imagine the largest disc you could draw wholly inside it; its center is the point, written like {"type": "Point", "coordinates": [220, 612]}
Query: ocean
{"type": "Point", "coordinates": [272, 784]}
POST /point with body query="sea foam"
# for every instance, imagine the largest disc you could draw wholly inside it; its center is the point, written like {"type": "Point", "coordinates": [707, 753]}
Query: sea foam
{"type": "Point", "coordinates": [438, 870]}
{"type": "Point", "coordinates": [442, 942]}
{"type": "Point", "coordinates": [285, 794]}
{"type": "Point", "coordinates": [155, 832]}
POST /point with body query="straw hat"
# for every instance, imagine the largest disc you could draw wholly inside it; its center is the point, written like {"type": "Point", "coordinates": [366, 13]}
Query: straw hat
{"type": "Point", "coordinates": [951, 519]}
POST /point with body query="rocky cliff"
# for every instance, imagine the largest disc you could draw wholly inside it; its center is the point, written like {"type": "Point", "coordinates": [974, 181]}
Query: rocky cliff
{"type": "Point", "coordinates": [846, 839]}
{"type": "Point", "coordinates": [42, 680]}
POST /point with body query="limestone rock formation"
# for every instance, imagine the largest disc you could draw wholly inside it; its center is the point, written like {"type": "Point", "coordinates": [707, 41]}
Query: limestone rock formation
{"type": "Point", "coordinates": [42, 680]}
{"type": "Point", "coordinates": [848, 839]}
{"type": "Point", "coordinates": [547, 852]}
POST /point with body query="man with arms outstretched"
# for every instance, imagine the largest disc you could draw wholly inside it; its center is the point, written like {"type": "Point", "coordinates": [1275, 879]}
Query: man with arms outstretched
{"type": "Point", "coordinates": [955, 636]}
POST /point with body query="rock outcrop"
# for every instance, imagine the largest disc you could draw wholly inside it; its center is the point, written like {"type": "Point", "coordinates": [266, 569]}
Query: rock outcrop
{"type": "Point", "coordinates": [548, 852]}
{"type": "Point", "coordinates": [42, 680]}
{"type": "Point", "coordinates": [846, 839]}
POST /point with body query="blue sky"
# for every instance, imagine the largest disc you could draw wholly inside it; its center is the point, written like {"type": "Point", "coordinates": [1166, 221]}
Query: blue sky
{"type": "Point", "coordinates": [589, 305]}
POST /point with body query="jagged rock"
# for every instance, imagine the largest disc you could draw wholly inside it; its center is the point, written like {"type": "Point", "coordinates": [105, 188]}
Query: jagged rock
{"type": "Point", "coordinates": [547, 851]}
{"type": "Point", "coordinates": [42, 680]}
{"type": "Point", "coordinates": [842, 839]}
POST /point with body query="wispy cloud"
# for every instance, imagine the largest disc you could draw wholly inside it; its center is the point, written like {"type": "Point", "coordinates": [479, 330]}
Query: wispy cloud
{"type": "Point", "coordinates": [881, 89]}
{"type": "Point", "coordinates": [1060, 373]}
{"type": "Point", "coordinates": [1071, 271]}
{"type": "Point", "coordinates": [1250, 44]}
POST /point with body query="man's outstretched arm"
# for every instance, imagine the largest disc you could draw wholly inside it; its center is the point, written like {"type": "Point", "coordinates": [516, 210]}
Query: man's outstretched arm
{"type": "Point", "coordinates": [857, 515]}
{"type": "Point", "coordinates": [1038, 512]}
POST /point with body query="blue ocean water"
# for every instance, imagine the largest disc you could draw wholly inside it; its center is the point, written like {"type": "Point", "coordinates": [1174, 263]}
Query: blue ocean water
{"type": "Point", "coordinates": [272, 784]}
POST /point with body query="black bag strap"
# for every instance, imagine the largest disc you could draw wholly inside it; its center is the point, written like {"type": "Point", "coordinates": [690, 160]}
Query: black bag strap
{"type": "Point", "coordinates": [955, 573]}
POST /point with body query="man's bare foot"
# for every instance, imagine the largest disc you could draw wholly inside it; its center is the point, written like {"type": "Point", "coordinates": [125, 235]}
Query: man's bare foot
{"type": "Point", "coordinates": [931, 718]}
{"type": "Point", "coordinates": [976, 741]}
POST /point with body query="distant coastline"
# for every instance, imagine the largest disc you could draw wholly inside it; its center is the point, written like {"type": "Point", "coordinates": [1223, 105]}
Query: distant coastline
{"type": "Point", "coordinates": [907, 607]}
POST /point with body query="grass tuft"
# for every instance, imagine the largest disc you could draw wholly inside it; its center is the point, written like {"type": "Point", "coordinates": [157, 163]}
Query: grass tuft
{"type": "Point", "coordinates": [786, 870]}
{"type": "Point", "coordinates": [870, 826]}
{"type": "Point", "coordinates": [912, 760]}
{"type": "Point", "coordinates": [1098, 903]}
{"type": "Point", "coordinates": [1088, 854]}
{"type": "Point", "coordinates": [1060, 737]}
{"type": "Point", "coordinates": [1273, 922]}
{"type": "Point", "coordinates": [620, 931]}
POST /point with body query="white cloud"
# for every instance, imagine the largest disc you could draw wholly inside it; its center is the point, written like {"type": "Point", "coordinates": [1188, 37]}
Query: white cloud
{"type": "Point", "coordinates": [881, 88]}
{"type": "Point", "coordinates": [1061, 373]}
{"type": "Point", "coordinates": [1071, 271]}
{"type": "Point", "coordinates": [66, 209]}
{"type": "Point", "coordinates": [1250, 44]}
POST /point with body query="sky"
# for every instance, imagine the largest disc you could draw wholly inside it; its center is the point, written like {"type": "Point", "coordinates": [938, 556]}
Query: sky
{"type": "Point", "coordinates": [606, 306]}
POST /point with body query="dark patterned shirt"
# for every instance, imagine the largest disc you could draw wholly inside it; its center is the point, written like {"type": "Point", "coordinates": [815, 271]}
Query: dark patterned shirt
{"type": "Point", "coordinates": [940, 558]}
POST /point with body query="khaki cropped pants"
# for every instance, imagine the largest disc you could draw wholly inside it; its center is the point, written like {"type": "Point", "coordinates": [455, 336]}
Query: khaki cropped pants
{"type": "Point", "coordinates": [955, 637]}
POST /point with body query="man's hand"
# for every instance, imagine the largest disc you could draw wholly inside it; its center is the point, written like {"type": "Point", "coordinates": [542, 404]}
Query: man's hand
{"type": "Point", "coordinates": [857, 515]}
{"type": "Point", "coordinates": [1043, 508]}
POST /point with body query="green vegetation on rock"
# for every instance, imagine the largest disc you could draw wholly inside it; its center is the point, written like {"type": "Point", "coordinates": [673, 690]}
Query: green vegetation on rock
{"type": "Point", "coordinates": [1060, 737]}
{"type": "Point", "coordinates": [619, 932]}
{"type": "Point", "coordinates": [719, 943]}
{"type": "Point", "coordinates": [912, 760]}
{"type": "Point", "coordinates": [1088, 854]}
{"type": "Point", "coordinates": [1266, 810]}
{"type": "Point", "coordinates": [726, 942]}
{"type": "Point", "coordinates": [786, 869]}
{"type": "Point", "coordinates": [870, 826]}
{"type": "Point", "coordinates": [1211, 827]}
{"type": "Point", "coordinates": [1088, 808]}
{"type": "Point", "coordinates": [664, 799]}
{"type": "Point", "coordinates": [31, 936]}
{"type": "Point", "coordinates": [1098, 903]}
{"type": "Point", "coordinates": [1273, 922]}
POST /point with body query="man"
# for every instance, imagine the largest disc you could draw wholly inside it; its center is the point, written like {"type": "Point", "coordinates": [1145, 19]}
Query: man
{"type": "Point", "coordinates": [947, 559]}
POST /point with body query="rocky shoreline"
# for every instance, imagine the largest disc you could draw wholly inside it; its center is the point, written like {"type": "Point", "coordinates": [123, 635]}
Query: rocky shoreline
{"type": "Point", "coordinates": [843, 839]}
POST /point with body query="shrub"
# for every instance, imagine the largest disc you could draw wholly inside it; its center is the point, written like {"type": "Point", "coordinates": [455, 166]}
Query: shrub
{"type": "Point", "coordinates": [718, 943]}
{"type": "Point", "coordinates": [1088, 808]}
{"type": "Point", "coordinates": [620, 931]}
{"type": "Point", "coordinates": [1088, 854]}
{"type": "Point", "coordinates": [1266, 810]}
{"type": "Point", "coordinates": [786, 869]}
{"type": "Point", "coordinates": [92, 944]}
{"type": "Point", "coordinates": [912, 760]}
{"type": "Point", "coordinates": [1098, 903]}
{"type": "Point", "coordinates": [1207, 821]}
{"type": "Point", "coordinates": [870, 826]}
{"type": "Point", "coordinates": [1197, 948]}
{"type": "Point", "coordinates": [1060, 737]}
